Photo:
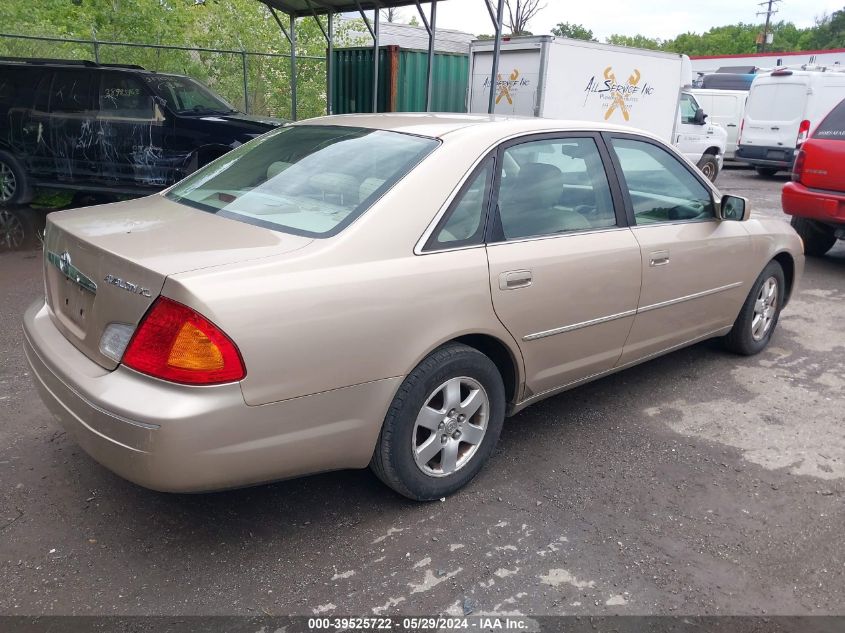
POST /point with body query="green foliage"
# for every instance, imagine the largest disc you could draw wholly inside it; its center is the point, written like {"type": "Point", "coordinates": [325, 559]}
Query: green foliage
{"type": "Point", "coordinates": [741, 39]}
{"type": "Point", "coordinates": [221, 24]}
{"type": "Point", "coordinates": [573, 31]}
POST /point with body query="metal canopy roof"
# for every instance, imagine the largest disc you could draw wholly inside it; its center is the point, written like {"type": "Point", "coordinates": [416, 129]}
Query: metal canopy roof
{"type": "Point", "coordinates": [305, 8]}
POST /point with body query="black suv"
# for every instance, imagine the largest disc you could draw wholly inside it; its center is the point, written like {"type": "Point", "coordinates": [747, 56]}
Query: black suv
{"type": "Point", "coordinates": [108, 128]}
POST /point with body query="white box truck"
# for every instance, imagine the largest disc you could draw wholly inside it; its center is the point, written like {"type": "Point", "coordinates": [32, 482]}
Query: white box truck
{"type": "Point", "coordinates": [573, 79]}
{"type": "Point", "coordinates": [726, 108]}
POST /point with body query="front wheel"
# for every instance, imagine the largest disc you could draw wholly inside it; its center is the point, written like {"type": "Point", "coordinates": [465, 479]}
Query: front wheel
{"type": "Point", "coordinates": [759, 315]}
{"type": "Point", "coordinates": [14, 183]}
{"type": "Point", "coordinates": [442, 425]}
{"type": "Point", "coordinates": [709, 166]}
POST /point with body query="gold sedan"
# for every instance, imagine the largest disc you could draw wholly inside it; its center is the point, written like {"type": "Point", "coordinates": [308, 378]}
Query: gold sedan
{"type": "Point", "coordinates": [384, 290]}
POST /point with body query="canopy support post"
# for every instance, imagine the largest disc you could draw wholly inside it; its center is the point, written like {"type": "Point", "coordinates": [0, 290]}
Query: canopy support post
{"type": "Point", "coordinates": [497, 49]}
{"type": "Point", "coordinates": [431, 27]}
{"type": "Point", "coordinates": [291, 38]}
{"type": "Point", "coordinates": [373, 29]}
{"type": "Point", "coordinates": [329, 36]}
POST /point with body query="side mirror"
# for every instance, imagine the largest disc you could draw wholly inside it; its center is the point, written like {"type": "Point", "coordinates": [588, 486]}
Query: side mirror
{"type": "Point", "coordinates": [734, 208]}
{"type": "Point", "coordinates": [700, 118]}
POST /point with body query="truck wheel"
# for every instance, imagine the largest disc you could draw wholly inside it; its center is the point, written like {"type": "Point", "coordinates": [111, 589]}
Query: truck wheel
{"type": "Point", "coordinates": [14, 184]}
{"type": "Point", "coordinates": [442, 425]}
{"type": "Point", "coordinates": [766, 172]}
{"type": "Point", "coordinates": [818, 238]}
{"type": "Point", "coordinates": [709, 166]}
{"type": "Point", "coordinates": [18, 228]}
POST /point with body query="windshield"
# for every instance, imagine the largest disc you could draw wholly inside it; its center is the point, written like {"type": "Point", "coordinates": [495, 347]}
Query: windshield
{"type": "Point", "coordinates": [185, 96]}
{"type": "Point", "coordinates": [306, 179]}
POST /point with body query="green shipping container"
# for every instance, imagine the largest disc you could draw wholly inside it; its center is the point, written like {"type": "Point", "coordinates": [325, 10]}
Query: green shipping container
{"type": "Point", "coordinates": [401, 78]}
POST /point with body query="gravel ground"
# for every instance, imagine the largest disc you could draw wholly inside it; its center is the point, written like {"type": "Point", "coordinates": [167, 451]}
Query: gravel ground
{"type": "Point", "coordinates": [699, 483]}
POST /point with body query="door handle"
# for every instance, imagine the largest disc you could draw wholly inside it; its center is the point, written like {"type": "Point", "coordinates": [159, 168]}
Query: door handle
{"type": "Point", "coordinates": [658, 258]}
{"type": "Point", "coordinates": [513, 279]}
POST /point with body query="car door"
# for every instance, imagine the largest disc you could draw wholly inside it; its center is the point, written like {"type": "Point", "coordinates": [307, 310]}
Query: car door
{"type": "Point", "coordinates": [34, 124]}
{"type": "Point", "coordinates": [71, 139]}
{"type": "Point", "coordinates": [564, 267]}
{"type": "Point", "coordinates": [693, 264]}
{"type": "Point", "coordinates": [132, 128]}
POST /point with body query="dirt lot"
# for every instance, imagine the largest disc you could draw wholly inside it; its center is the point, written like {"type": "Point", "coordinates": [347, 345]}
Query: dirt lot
{"type": "Point", "coordinates": [700, 483]}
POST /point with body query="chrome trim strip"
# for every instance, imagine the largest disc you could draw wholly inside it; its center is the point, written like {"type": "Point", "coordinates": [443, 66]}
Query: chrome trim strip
{"type": "Point", "coordinates": [697, 295]}
{"type": "Point", "coordinates": [578, 326]}
{"type": "Point", "coordinates": [555, 390]}
{"type": "Point", "coordinates": [627, 313]}
{"type": "Point", "coordinates": [65, 266]}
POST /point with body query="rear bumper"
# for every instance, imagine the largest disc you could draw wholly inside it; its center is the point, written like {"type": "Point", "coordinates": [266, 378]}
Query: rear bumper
{"type": "Point", "coordinates": [780, 157]}
{"type": "Point", "coordinates": [174, 438]}
{"type": "Point", "coordinates": [824, 206]}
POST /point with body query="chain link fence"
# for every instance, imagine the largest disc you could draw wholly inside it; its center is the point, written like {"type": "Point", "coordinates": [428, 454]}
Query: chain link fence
{"type": "Point", "coordinates": [252, 81]}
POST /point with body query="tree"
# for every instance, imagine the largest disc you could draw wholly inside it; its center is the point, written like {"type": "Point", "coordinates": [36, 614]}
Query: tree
{"type": "Point", "coordinates": [637, 41]}
{"type": "Point", "coordinates": [390, 14]}
{"type": "Point", "coordinates": [520, 13]}
{"type": "Point", "coordinates": [413, 21]}
{"type": "Point", "coordinates": [573, 31]}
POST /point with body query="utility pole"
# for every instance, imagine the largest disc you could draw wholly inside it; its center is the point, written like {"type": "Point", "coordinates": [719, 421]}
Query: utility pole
{"type": "Point", "coordinates": [769, 12]}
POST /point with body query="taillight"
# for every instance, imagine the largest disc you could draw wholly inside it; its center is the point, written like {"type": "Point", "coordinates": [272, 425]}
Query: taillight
{"type": "Point", "coordinates": [177, 344]}
{"type": "Point", "coordinates": [803, 132]}
{"type": "Point", "coordinates": [741, 126]}
{"type": "Point", "coordinates": [798, 166]}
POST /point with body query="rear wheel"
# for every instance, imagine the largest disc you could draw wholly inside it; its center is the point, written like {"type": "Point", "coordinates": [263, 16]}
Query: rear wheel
{"type": "Point", "coordinates": [442, 425]}
{"type": "Point", "coordinates": [14, 184]}
{"type": "Point", "coordinates": [709, 166]}
{"type": "Point", "coordinates": [759, 315]}
{"type": "Point", "coordinates": [818, 238]}
{"type": "Point", "coordinates": [766, 172]}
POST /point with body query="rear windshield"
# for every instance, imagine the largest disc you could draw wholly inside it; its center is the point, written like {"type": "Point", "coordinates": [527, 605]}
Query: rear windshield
{"type": "Point", "coordinates": [305, 179]}
{"type": "Point", "coordinates": [833, 126]}
{"type": "Point", "coordinates": [776, 102]}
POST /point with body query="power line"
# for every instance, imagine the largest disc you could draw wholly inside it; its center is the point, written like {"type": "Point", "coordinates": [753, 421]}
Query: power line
{"type": "Point", "coordinates": [769, 12]}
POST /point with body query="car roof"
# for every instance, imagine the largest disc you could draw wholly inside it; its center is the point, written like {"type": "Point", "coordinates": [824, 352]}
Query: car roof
{"type": "Point", "coordinates": [438, 125]}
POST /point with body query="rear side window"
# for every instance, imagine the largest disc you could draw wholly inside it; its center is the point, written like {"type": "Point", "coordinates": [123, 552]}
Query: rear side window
{"type": "Point", "coordinates": [124, 96]}
{"type": "Point", "coordinates": [777, 102]}
{"type": "Point", "coordinates": [305, 179]}
{"type": "Point", "coordinates": [833, 126]}
{"type": "Point", "coordinates": [71, 92]}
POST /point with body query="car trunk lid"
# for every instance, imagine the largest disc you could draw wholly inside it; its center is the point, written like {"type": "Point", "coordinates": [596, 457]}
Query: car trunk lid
{"type": "Point", "coordinates": [107, 264]}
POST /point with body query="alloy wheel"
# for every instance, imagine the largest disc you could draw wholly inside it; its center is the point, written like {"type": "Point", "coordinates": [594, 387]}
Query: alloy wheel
{"type": "Point", "coordinates": [765, 309]}
{"type": "Point", "coordinates": [450, 426]}
{"type": "Point", "coordinates": [8, 182]}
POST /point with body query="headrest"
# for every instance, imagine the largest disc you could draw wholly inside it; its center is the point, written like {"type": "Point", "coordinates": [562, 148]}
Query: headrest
{"type": "Point", "coordinates": [334, 184]}
{"type": "Point", "coordinates": [539, 184]}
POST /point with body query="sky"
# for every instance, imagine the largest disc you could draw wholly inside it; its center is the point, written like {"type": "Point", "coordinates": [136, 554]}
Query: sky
{"type": "Point", "coordinates": [653, 18]}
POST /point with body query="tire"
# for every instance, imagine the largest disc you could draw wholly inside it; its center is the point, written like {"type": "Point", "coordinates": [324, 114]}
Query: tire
{"type": "Point", "coordinates": [748, 335]}
{"type": "Point", "coordinates": [18, 228]}
{"type": "Point", "coordinates": [14, 184]}
{"type": "Point", "coordinates": [766, 172]}
{"type": "Point", "coordinates": [818, 238]}
{"type": "Point", "coordinates": [709, 166]}
{"type": "Point", "coordinates": [422, 414]}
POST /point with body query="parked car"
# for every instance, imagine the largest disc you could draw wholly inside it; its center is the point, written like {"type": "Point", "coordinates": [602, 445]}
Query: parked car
{"type": "Point", "coordinates": [816, 196]}
{"type": "Point", "coordinates": [562, 78]}
{"type": "Point", "coordinates": [724, 107]}
{"type": "Point", "coordinates": [384, 290]}
{"type": "Point", "coordinates": [783, 107]}
{"type": "Point", "coordinates": [108, 128]}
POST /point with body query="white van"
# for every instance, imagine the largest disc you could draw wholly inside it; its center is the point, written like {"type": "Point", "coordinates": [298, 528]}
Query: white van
{"type": "Point", "coordinates": [726, 108]}
{"type": "Point", "coordinates": [572, 79]}
{"type": "Point", "coordinates": [783, 108]}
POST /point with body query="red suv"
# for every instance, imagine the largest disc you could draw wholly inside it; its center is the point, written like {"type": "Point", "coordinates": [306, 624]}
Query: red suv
{"type": "Point", "coordinates": [816, 196]}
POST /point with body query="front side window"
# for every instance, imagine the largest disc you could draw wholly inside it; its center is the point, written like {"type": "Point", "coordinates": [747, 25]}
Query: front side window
{"type": "Point", "coordinates": [689, 106]}
{"type": "Point", "coordinates": [553, 186]}
{"type": "Point", "coordinates": [305, 179]}
{"type": "Point", "coordinates": [186, 96]}
{"type": "Point", "coordinates": [70, 92]}
{"type": "Point", "coordinates": [832, 128]}
{"type": "Point", "coordinates": [124, 96]}
{"type": "Point", "coordinates": [661, 188]}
